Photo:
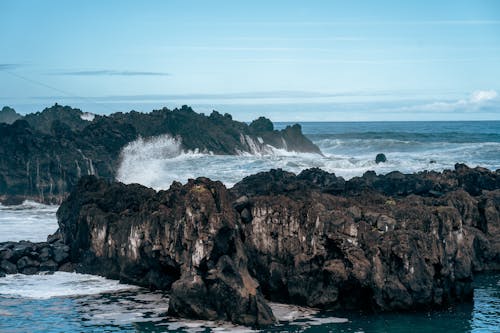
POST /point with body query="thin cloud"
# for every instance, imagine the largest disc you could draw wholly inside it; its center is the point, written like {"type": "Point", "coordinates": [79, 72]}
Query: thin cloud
{"type": "Point", "coordinates": [107, 72]}
{"type": "Point", "coordinates": [477, 101]}
{"type": "Point", "coordinates": [257, 95]}
{"type": "Point", "coordinates": [9, 66]}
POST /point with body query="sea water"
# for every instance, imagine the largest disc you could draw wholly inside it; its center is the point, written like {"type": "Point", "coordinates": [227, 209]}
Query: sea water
{"type": "Point", "coordinates": [70, 302]}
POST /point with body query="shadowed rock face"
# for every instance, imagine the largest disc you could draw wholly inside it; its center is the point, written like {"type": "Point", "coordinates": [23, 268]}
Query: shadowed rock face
{"type": "Point", "coordinates": [392, 242]}
{"type": "Point", "coordinates": [184, 239]}
{"type": "Point", "coordinates": [45, 153]}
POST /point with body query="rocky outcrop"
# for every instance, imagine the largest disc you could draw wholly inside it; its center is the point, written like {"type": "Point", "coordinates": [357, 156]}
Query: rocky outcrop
{"type": "Point", "coordinates": [185, 240]}
{"type": "Point", "coordinates": [380, 158]}
{"type": "Point", "coordinates": [45, 153]}
{"type": "Point", "coordinates": [8, 115]}
{"type": "Point", "coordinates": [380, 242]}
{"type": "Point", "coordinates": [31, 258]}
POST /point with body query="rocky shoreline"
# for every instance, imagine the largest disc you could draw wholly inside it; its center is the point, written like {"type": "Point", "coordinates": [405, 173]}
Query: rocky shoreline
{"type": "Point", "coordinates": [26, 257]}
{"type": "Point", "coordinates": [45, 153]}
{"type": "Point", "coordinates": [377, 242]}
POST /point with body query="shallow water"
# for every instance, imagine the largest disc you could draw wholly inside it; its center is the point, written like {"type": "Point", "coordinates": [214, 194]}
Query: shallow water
{"type": "Point", "coordinates": [83, 303]}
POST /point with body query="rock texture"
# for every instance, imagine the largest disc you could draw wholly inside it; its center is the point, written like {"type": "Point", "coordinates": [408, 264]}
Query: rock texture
{"type": "Point", "coordinates": [45, 153]}
{"type": "Point", "coordinates": [30, 258]}
{"type": "Point", "coordinates": [388, 242]}
{"type": "Point", "coordinates": [185, 240]}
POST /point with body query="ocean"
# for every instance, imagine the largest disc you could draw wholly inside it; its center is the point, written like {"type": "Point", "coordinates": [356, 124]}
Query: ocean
{"type": "Point", "coordinates": [67, 302]}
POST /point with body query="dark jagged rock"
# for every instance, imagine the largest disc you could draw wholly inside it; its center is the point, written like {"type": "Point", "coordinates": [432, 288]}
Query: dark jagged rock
{"type": "Point", "coordinates": [70, 117]}
{"type": "Point", "coordinates": [8, 115]}
{"type": "Point", "coordinates": [31, 258]}
{"type": "Point", "coordinates": [185, 239]}
{"type": "Point", "coordinates": [45, 153]}
{"type": "Point", "coordinates": [375, 242]}
{"type": "Point", "coordinates": [380, 158]}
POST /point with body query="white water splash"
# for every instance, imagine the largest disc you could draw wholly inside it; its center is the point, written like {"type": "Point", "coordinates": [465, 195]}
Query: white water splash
{"type": "Point", "coordinates": [30, 221]}
{"type": "Point", "coordinates": [58, 284]}
{"type": "Point", "coordinates": [87, 116]}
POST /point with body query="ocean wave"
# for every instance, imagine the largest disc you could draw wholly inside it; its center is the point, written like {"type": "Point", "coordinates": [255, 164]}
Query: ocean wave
{"type": "Point", "coordinates": [158, 162]}
{"type": "Point", "coordinates": [30, 221]}
{"type": "Point", "coordinates": [30, 205]}
{"type": "Point", "coordinates": [58, 284]}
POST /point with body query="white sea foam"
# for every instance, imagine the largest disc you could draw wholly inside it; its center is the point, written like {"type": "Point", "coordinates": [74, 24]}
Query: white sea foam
{"type": "Point", "coordinates": [87, 116]}
{"type": "Point", "coordinates": [58, 284]}
{"type": "Point", "coordinates": [29, 221]}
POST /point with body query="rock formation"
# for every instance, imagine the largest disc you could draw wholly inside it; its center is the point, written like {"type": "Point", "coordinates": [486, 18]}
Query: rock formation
{"type": "Point", "coordinates": [185, 240]}
{"type": "Point", "coordinates": [8, 115]}
{"type": "Point", "coordinates": [45, 153]}
{"type": "Point", "coordinates": [380, 158]}
{"type": "Point", "coordinates": [30, 258]}
{"type": "Point", "coordinates": [388, 242]}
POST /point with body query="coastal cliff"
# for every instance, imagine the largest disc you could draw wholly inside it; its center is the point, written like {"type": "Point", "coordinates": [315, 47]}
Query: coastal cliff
{"type": "Point", "coordinates": [378, 242]}
{"type": "Point", "coordinates": [45, 153]}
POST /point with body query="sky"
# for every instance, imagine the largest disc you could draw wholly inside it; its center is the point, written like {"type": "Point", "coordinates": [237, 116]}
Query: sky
{"type": "Point", "coordinates": [288, 60]}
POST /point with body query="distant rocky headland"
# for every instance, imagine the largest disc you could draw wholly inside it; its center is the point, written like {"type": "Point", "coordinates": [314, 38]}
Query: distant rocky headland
{"type": "Point", "coordinates": [45, 153]}
{"type": "Point", "coordinates": [376, 242]}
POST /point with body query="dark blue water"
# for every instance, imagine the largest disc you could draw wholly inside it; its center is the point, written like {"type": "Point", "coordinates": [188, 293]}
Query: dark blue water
{"type": "Point", "coordinates": [143, 311]}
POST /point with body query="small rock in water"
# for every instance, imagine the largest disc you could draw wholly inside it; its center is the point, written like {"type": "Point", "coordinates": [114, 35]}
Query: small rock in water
{"type": "Point", "coordinates": [432, 162]}
{"type": "Point", "coordinates": [380, 158]}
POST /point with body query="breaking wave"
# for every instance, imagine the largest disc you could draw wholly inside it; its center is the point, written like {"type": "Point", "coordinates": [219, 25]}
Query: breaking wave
{"type": "Point", "coordinates": [30, 221]}
{"type": "Point", "coordinates": [58, 284]}
{"type": "Point", "coordinates": [159, 161]}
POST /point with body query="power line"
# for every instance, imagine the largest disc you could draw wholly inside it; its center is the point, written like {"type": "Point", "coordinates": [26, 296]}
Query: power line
{"type": "Point", "coordinates": [67, 93]}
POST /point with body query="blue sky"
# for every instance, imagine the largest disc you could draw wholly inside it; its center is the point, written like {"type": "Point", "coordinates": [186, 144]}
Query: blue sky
{"type": "Point", "coordinates": [289, 60]}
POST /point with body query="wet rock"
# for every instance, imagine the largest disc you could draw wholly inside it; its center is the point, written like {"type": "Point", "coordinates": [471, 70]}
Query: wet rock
{"type": "Point", "coordinates": [30, 258]}
{"type": "Point", "coordinates": [67, 267]}
{"type": "Point", "coordinates": [8, 267]}
{"type": "Point", "coordinates": [380, 158]}
{"type": "Point", "coordinates": [26, 265]}
{"type": "Point", "coordinates": [49, 265]}
{"type": "Point", "coordinates": [378, 242]}
{"type": "Point", "coordinates": [190, 244]}
{"type": "Point", "coordinates": [60, 253]}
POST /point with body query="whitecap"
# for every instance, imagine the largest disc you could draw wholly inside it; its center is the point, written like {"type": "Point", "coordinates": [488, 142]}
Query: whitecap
{"type": "Point", "coordinates": [30, 221]}
{"type": "Point", "coordinates": [58, 284]}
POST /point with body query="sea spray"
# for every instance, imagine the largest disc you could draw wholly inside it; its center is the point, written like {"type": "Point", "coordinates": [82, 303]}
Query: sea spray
{"type": "Point", "coordinates": [349, 150]}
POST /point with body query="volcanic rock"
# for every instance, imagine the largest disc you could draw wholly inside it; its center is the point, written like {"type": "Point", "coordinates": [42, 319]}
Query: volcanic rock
{"type": "Point", "coordinates": [378, 242]}
{"type": "Point", "coordinates": [45, 153]}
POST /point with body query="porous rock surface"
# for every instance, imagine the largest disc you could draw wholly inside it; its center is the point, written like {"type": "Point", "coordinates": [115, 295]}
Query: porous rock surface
{"type": "Point", "coordinates": [387, 242]}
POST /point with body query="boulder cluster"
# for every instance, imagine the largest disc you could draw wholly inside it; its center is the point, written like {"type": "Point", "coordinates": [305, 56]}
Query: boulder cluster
{"type": "Point", "coordinates": [378, 242]}
{"type": "Point", "coordinates": [31, 258]}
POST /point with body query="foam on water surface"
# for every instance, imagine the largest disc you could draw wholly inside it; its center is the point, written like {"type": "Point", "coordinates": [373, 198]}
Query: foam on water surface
{"type": "Point", "coordinates": [58, 284]}
{"type": "Point", "coordinates": [29, 221]}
